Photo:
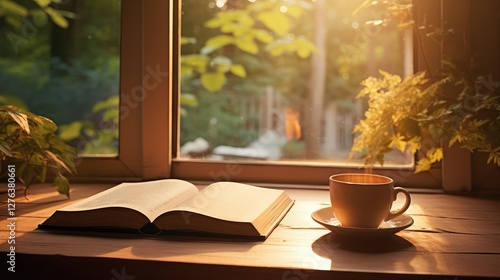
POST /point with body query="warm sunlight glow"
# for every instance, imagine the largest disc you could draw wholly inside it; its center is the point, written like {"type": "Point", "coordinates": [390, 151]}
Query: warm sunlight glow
{"type": "Point", "coordinates": [220, 3]}
{"type": "Point", "coordinates": [422, 224]}
{"type": "Point", "coordinates": [283, 9]}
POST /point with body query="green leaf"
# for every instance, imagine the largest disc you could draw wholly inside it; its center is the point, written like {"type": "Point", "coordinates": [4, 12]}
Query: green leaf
{"type": "Point", "coordinates": [188, 99]}
{"type": "Point", "coordinates": [414, 145]}
{"type": "Point", "coordinates": [301, 46]}
{"type": "Point", "coordinates": [494, 156]}
{"type": "Point", "coordinates": [70, 131]}
{"type": "Point", "coordinates": [205, 50]}
{"type": "Point", "coordinates": [67, 14]}
{"type": "Point", "coordinates": [276, 49]}
{"type": "Point", "coordinates": [188, 40]}
{"type": "Point", "coordinates": [44, 125]}
{"type": "Point", "coordinates": [58, 161]}
{"type": "Point", "coordinates": [196, 62]}
{"type": "Point", "coordinates": [262, 35]}
{"type": "Point", "coordinates": [247, 44]}
{"type": "Point", "coordinates": [423, 164]}
{"type": "Point", "coordinates": [21, 119]}
{"type": "Point", "coordinates": [236, 29]}
{"type": "Point", "coordinates": [222, 68]}
{"type": "Point", "coordinates": [56, 17]}
{"type": "Point", "coordinates": [112, 102]}
{"type": "Point", "coordinates": [43, 3]}
{"type": "Point", "coordinates": [213, 81]}
{"type": "Point", "coordinates": [186, 71]}
{"type": "Point", "coordinates": [14, 8]}
{"type": "Point", "coordinates": [304, 47]}
{"type": "Point", "coordinates": [491, 157]}
{"type": "Point", "coordinates": [454, 139]}
{"type": "Point", "coordinates": [398, 142]}
{"type": "Point", "coordinates": [111, 115]}
{"type": "Point", "coordinates": [238, 70]}
{"type": "Point", "coordinates": [380, 159]}
{"type": "Point", "coordinates": [219, 41]}
{"type": "Point", "coordinates": [435, 154]}
{"type": "Point", "coordinates": [5, 148]}
{"type": "Point", "coordinates": [40, 173]}
{"type": "Point", "coordinates": [276, 21]}
{"type": "Point", "coordinates": [62, 184]}
{"type": "Point", "coordinates": [13, 21]}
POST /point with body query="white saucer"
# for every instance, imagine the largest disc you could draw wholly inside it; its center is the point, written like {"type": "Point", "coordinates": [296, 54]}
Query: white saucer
{"type": "Point", "coordinates": [326, 218]}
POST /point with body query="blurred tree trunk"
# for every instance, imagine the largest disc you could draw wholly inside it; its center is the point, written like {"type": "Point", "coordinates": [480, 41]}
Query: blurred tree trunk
{"type": "Point", "coordinates": [63, 40]}
{"type": "Point", "coordinates": [314, 110]}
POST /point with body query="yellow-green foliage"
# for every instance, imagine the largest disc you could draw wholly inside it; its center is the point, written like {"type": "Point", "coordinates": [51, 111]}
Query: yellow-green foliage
{"type": "Point", "coordinates": [260, 25]}
{"type": "Point", "coordinates": [417, 114]}
{"type": "Point", "coordinates": [92, 139]}
{"type": "Point", "coordinates": [29, 141]}
{"type": "Point", "coordinates": [14, 12]}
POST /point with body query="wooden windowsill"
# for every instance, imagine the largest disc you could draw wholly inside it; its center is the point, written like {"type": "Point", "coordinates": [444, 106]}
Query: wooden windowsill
{"type": "Point", "coordinates": [452, 236]}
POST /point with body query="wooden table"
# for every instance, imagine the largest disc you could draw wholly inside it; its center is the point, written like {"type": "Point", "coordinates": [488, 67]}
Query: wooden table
{"type": "Point", "coordinates": [453, 237]}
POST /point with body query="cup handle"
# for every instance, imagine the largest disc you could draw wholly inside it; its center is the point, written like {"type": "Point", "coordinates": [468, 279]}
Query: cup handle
{"type": "Point", "coordinates": [394, 214]}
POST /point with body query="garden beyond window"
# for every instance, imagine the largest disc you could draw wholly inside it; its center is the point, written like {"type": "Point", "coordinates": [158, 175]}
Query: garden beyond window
{"type": "Point", "coordinates": [61, 60]}
{"type": "Point", "coordinates": [277, 80]}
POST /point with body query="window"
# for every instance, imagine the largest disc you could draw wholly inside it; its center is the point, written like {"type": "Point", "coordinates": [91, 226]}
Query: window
{"type": "Point", "coordinates": [277, 80]}
{"type": "Point", "coordinates": [150, 83]}
{"type": "Point", "coordinates": [427, 12]}
{"type": "Point", "coordinates": [65, 55]}
{"type": "Point", "coordinates": [262, 131]}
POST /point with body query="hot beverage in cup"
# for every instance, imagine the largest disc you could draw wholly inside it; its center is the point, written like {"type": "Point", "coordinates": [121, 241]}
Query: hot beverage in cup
{"type": "Point", "coordinates": [365, 200]}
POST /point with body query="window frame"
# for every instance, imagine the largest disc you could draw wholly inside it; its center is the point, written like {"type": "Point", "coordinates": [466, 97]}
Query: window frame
{"type": "Point", "coordinates": [148, 147]}
{"type": "Point", "coordinates": [145, 97]}
{"type": "Point", "coordinates": [288, 173]}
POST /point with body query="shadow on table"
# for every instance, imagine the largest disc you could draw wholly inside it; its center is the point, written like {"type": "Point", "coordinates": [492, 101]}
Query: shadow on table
{"type": "Point", "coordinates": [373, 246]}
{"type": "Point", "coordinates": [394, 253]}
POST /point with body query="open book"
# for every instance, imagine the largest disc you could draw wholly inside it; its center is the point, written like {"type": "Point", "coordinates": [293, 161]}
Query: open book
{"type": "Point", "coordinates": [164, 205]}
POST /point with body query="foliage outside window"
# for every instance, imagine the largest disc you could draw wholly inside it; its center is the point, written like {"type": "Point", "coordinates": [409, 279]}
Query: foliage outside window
{"type": "Point", "coordinates": [241, 58]}
{"type": "Point", "coordinates": [57, 55]}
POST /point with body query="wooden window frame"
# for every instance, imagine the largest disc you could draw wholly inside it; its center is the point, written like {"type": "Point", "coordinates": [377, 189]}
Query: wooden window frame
{"type": "Point", "coordinates": [145, 97]}
{"type": "Point", "coordinates": [150, 118]}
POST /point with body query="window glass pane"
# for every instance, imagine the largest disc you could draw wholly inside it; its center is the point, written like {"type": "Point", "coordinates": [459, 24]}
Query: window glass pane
{"type": "Point", "coordinates": [277, 80]}
{"type": "Point", "coordinates": [60, 59]}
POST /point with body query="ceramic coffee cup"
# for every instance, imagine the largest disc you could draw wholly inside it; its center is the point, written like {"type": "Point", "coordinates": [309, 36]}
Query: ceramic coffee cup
{"type": "Point", "coordinates": [364, 200]}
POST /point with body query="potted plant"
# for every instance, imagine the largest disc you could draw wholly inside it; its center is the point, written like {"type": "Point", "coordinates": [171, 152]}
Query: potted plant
{"type": "Point", "coordinates": [29, 142]}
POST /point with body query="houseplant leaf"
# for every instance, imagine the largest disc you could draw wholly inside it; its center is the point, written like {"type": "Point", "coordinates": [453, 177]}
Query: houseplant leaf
{"type": "Point", "coordinates": [21, 119]}
{"type": "Point", "coordinates": [5, 148]}
{"type": "Point", "coordinates": [62, 184]}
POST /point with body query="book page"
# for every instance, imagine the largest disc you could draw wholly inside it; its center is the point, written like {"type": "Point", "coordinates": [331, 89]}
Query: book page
{"type": "Point", "coordinates": [151, 198]}
{"type": "Point", "coordinates": [231, 201]}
